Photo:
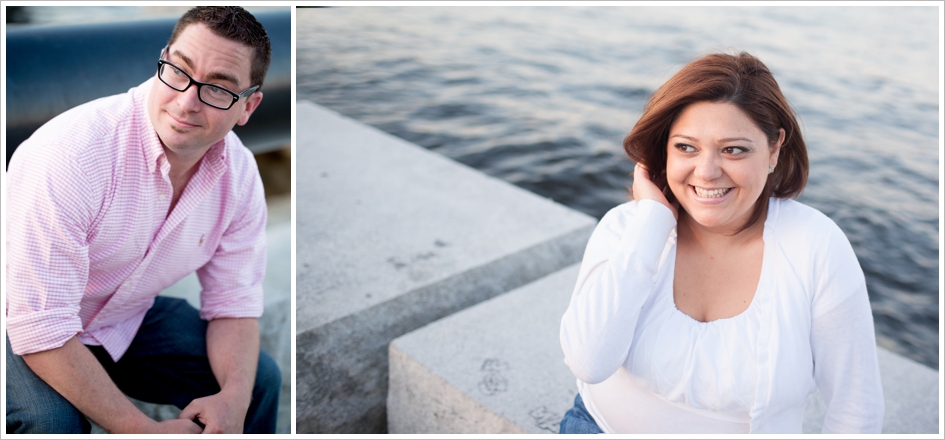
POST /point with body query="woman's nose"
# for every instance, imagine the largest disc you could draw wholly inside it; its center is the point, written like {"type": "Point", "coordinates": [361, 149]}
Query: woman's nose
{"type": "Point", "coordinates": [708, 167]}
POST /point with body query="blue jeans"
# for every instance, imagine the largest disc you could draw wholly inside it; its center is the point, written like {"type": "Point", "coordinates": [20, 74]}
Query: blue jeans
{"type": "Point", "coordinates": [578, 421]}
{"type": "Point", "coordinates": [166, 364]}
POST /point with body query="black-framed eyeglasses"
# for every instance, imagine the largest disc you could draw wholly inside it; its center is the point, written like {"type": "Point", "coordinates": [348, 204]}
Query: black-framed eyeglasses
{"type": "Point", "coordinates": [211, 94]}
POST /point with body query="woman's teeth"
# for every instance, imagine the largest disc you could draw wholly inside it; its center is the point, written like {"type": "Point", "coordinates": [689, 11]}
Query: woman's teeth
{"type": "Point", "coordinates": [710, 193]}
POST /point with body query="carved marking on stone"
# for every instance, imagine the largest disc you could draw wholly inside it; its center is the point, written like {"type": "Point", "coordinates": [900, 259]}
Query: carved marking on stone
{"type": "Point", "coordinates": [545, 419]}
{"type": "Point", "coordinates": [397, 263]}
{"type": "Point", "coordinates": [425, 256]}
{"type": "Point", "coordinates": [400, 262]}
{"type": "Point", "coordinates": [492, 381]}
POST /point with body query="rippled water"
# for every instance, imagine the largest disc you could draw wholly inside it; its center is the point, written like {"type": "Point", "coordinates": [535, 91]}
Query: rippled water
{"type": "Point", "coordinates": [542, 98]}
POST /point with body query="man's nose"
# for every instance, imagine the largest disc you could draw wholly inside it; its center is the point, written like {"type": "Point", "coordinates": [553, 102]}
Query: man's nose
{"type": "Point", "coordinates": [188, 100]}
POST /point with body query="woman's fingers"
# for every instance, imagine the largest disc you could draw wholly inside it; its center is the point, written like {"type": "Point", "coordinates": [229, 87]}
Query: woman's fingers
{"type": "Point", "coordinates": [644, 188]}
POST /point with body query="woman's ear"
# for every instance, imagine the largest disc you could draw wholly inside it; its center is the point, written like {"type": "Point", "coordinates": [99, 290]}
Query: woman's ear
{"type": "Point", "coordinates": [776, 148]}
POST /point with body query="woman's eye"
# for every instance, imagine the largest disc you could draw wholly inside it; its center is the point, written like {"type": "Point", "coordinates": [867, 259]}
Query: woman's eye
{"type": "Point", "coordinates": [685, 148]}
{"type": "Point", "coordinates": [734, 150]}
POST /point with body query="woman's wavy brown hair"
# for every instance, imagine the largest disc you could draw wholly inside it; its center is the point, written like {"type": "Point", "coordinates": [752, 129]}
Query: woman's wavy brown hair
{"type": "Point", "coordinates": [744, 81]}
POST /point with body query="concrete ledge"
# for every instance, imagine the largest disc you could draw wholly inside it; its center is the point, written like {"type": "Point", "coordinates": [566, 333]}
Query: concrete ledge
{"type": "Point", "coordinates": [498, 368]}
{"type": "Point", "coordinates": [499, 363]}
{"type": "Point", "coordinates": [391, 237]}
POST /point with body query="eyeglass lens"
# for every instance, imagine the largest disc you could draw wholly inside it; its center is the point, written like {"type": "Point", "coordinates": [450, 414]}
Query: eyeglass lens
{"type": "Point", "coordinates": [212, 95]}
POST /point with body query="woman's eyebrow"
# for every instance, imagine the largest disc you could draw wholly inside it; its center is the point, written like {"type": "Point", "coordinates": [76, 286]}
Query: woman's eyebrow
{"type": "Point", "coordinates": [731, 139]}
{"type": "Point", "coordinates": [685, 137]}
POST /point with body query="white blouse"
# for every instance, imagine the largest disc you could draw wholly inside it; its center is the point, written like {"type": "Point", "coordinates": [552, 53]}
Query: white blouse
{"type": "Point", "coordinates": [645, 367]}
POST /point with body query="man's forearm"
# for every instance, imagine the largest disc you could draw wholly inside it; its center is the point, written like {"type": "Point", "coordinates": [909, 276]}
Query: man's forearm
{"type": "Point", "coordinates": [233, 349]}
{"type": "Point", "coordinates": [74, 373]}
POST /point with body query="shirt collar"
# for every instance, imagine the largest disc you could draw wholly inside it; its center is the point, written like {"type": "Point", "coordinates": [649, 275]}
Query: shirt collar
{"type": "Point", "coordinates": [150, 142]}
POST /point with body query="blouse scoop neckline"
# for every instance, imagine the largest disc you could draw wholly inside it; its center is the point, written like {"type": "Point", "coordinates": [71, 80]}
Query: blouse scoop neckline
{"type": "Point", "coordinates": [760, 289]}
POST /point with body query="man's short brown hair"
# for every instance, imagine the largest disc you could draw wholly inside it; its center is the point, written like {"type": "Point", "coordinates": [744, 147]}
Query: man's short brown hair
{"type": "Point", "coordinates": [236, 24]}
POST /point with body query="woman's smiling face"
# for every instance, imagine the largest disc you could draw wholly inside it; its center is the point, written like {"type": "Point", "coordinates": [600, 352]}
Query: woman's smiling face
{"type": "Point", "coordinates": [717, 164]}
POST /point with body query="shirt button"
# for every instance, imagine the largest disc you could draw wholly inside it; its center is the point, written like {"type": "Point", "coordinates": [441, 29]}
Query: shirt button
{"type": "Point", "coordinates": [161, 197]}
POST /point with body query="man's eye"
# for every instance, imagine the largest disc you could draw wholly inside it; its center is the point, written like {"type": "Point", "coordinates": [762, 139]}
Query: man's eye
{"type": "Point", "coordinates": [218, 91]}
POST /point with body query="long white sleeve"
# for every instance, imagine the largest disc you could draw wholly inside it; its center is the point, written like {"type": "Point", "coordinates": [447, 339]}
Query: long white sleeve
{"type": "Point", "coordinates": [843, 343]}
{"type": "Point", "coordinates": [617, 276]}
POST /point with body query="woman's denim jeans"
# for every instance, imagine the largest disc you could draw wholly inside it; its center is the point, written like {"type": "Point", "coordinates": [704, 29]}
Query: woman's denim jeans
{"type": "Point", "coordinates": [166, 364]}
{"type": "Point", "coordinates": [578, 421]}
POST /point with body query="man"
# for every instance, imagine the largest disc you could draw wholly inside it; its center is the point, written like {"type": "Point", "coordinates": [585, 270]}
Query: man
{"type": "Point", "coordinates": [117, 199]}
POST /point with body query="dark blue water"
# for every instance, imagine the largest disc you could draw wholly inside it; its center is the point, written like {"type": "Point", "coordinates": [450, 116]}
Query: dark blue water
{"type": "Point", "coordinates": [542, 98]}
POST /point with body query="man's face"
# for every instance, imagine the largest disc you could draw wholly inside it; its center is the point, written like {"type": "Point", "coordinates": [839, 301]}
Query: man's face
{"type": "Point", "coordinates": [184, 124]}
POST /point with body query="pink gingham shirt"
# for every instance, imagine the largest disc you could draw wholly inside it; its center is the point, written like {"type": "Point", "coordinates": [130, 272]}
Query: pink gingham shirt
{"type": "Point", "coordinates": [90, 244]}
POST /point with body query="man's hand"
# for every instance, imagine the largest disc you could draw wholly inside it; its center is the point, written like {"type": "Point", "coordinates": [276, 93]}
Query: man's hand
{"type": "Point", "coordinates": [219, 413]}
{"type": "Point", "coordinates": [74, 373]}
{"type": "Point", "coordinates": [233, 350]}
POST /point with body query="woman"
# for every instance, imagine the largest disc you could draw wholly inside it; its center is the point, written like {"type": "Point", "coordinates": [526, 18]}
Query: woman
{"type": "Point", "coordinates": [714, 302]}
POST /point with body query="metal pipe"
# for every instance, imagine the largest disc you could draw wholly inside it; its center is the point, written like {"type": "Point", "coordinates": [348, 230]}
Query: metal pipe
{"type": "Point", "coordinates": [51, 69]}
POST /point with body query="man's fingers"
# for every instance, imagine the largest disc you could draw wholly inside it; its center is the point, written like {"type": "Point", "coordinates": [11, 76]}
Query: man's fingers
{"type": "Point", "coordinates": [194, 428]}
{"type": "Point", "coordinates": [213, 428]}
{"type": "Point", "coordinates": [211, 414]}
{"type": "Point", "coordinates": [190, 412]}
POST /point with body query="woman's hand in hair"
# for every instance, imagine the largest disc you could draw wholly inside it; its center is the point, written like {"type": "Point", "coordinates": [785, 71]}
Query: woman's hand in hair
{"type": "Point", "coordinates": [644, 188]}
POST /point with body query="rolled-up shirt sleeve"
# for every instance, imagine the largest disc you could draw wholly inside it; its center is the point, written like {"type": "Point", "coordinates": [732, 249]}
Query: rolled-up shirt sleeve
{"type": "Point", "coordinates": [232, 280]}
{"type": "Point", "coordinates": [50, 209]}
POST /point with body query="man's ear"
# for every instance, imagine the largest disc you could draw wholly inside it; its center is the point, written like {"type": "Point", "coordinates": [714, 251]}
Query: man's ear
{"type": "Point", "coordinates": [251, 105]}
